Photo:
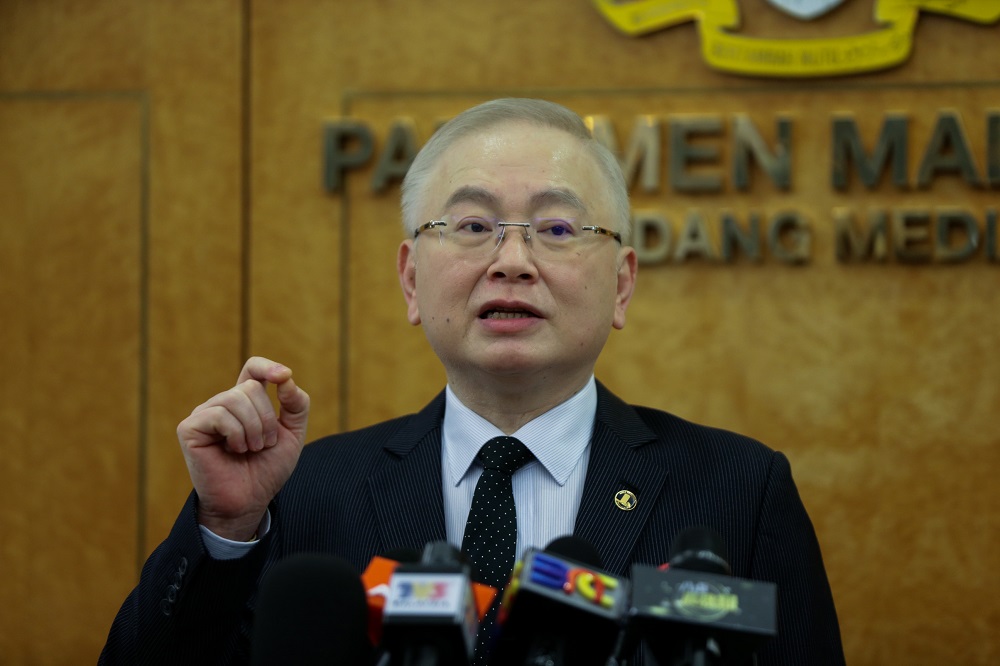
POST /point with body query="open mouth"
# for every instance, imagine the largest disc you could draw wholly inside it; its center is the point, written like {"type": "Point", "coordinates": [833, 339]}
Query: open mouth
{"type": "Point", "coordinates": [507, 313]}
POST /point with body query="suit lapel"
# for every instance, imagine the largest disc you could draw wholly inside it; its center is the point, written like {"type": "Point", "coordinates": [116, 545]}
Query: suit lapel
{"type": "Point", "coordinates": [406, 492]}
{"type": "Point", "coordinates": [616, 464]}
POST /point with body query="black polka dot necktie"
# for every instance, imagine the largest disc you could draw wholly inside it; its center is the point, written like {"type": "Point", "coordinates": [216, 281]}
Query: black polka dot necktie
{"type": "Point", "coordinates": [491, 532]}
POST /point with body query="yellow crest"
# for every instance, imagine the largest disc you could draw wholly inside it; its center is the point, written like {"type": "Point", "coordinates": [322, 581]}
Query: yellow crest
{"type": "Point", "coordinates": [724, 49]}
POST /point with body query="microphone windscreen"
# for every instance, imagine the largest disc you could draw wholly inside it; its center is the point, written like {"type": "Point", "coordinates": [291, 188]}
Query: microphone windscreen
{"type": "Point", "coordinates": [311, 610]}
{"type": "Point", "coordinates": [441, 552]}
{"type": "Point", "coordinates": [575, 548]}
{"type": "Point", "coordinates": [403, 555]}
{"type": "Point", "coordinates": [700, 549]}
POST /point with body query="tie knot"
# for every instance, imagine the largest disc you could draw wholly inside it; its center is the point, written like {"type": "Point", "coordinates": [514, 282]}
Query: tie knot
{"type": "Point", "coordinates": [504, 454]}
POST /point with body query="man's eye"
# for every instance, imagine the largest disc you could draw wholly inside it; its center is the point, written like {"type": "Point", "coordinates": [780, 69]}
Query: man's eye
{"type": "Point", "coordinates": [476, 225]}
{"type": "Point", "coordinates": [555, 227]}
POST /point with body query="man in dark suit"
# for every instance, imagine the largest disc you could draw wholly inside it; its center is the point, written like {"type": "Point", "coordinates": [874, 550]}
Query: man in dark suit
{"type": "Point", "coordinates": [517, 265]}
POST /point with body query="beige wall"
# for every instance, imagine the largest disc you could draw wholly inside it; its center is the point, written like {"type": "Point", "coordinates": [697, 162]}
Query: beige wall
{"type": "Point", "coordinates": [162, 215]}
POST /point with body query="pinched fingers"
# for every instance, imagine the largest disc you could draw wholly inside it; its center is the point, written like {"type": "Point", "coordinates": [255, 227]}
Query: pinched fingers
{"type": "Point", "coordinates": [241, 417]}
{"type": "Point", "coordinates": [214, 425]}
{"type": "Point", "coordinates": [263, 370]}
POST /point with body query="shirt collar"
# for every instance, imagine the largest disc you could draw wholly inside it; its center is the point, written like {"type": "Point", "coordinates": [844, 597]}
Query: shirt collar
{"type": "Point", "coordinates": [557, 438]}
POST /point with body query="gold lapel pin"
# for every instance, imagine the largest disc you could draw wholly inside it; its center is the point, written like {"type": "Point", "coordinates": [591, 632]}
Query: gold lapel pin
{"type": "Point", "coordinates": [626, 500]}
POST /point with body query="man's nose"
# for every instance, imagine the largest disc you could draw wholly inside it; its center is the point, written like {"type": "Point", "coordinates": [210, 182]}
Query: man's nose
{"type": "Point", "coordinates": [513, 256]}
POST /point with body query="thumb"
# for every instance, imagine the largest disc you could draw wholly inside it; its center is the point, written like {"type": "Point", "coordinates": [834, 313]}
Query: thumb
{"type": "Point", "coordinates": [294, 407]}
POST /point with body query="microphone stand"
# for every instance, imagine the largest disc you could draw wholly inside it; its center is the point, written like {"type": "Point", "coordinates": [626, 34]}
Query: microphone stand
{"type": "Point", "coordinates": [701, 654]}
{"type": "Point", "coordinates": [548, 653]}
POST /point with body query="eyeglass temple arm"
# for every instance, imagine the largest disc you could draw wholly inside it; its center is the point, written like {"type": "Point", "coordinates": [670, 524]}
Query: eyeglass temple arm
{"type": "Point", "coordinates": [601, 230]}
{"type": "Point", "coordinates": [428, 225]}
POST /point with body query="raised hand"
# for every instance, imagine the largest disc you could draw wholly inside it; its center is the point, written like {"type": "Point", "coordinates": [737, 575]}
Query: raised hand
{"type": "Point", "coordinates": [239, 453]}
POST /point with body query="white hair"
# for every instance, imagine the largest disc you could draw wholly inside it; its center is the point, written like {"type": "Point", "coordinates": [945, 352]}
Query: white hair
{"type": "Point", "coordinates": [535, 111]}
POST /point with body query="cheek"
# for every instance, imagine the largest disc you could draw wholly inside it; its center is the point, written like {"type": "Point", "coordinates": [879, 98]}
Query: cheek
{"type": "Point", "coordinates": [592, 300]}
{"type": "Point", "coordinates": [442, 298]}
{"type": "Point", "coordinates": [593, 287]}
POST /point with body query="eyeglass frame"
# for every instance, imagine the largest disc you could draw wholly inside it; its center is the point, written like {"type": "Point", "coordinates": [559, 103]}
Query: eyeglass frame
{"type": "Point", "coordinates": [503, 224]}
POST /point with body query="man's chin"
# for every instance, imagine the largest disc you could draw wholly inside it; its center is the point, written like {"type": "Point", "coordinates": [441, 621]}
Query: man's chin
{"type": "Point", "coordinates": [509, 361]}
{"type": "Point", "coordinates": [512, 363]}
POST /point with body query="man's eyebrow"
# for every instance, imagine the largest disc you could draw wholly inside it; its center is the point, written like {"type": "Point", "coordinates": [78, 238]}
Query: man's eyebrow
{"type": "Point", "coordinates": [558, 196]}
{"type": "Point", "coordinates": [476, 195]}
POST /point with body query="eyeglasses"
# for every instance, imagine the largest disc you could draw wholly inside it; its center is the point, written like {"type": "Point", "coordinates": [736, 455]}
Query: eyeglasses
{"type": "Point", "coordinates": [548, 237]}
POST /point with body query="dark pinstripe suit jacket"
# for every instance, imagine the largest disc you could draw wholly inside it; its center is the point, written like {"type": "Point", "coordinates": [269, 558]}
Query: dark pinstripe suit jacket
{"type": "Point", "coordinates": [367, 492]}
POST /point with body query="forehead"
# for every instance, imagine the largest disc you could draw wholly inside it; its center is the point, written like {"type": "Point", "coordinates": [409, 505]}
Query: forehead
{"type": "Point", "coordinates": [519, 165]}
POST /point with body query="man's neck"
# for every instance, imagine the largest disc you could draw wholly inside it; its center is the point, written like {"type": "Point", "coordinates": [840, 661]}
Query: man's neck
{"type": "Point", "coordinates": [510, 402]}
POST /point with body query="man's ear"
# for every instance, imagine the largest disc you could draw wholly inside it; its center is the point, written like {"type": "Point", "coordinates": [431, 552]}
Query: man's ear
{"type": "Point", "coordinates": [628, 267]}
{"type": "Point", "coordinates": [406, 268]}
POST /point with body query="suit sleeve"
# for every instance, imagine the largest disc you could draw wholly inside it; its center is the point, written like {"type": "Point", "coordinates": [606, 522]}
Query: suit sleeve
{"type": "Point", "coordinates": [786, 551]}
{"type": "Point", "coordinates": [188, 607]}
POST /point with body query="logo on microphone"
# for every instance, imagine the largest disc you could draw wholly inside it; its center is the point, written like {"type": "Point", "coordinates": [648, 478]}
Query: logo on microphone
{"type": "Point", "coordinates": [431, 591]}
{"type": "Point", "coordinates": [705, 601]}
{"type": "Point", "coordinates": [593, 587]}
{"type": "Point", "coordinates": [425, 594]}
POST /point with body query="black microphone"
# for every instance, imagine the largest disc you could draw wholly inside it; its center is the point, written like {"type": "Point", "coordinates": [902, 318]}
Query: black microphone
{"type": "Point", "coordinates": [430, 616]}
{"type": "Point", "coordinates": [694, 613]}
{"type": "Point", "coordinates": [700, 549]}
{"type": "Point", "coordinates": [575, 548]}
{"type": "Point", "coordinates": [311, 610]}
{"type": "Point", "coordinates": [560, 608]}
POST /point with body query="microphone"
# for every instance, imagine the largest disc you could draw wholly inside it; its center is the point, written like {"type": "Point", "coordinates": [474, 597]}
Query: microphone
{"type": "Point", "coordinates": [694, 613]}
{"type": "Point", "coordinates": [311, 611]}
{"type": "Point", "coordinates": [376, 582]}
{"type": "Point", "coordinates": [560, 608]}
{"type": "Point", "coordinates": [700, 549]}
{"type": "Point", "coordinates": [575, 548]}
{"type": "Point", "coordinates": [431, 616]}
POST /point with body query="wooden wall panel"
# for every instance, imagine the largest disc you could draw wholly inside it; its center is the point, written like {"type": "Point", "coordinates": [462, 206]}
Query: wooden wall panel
{"type": "Point", "coordinates": [71, 44]}
{"type": "Point", "coordinates": [295, 236]}
{"type": "Point", "coordinates": [122, 220]}
{"type": "Point", "coordinates": [72, 229]}
{"type": "Point", "coordinates": [196, 208]}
